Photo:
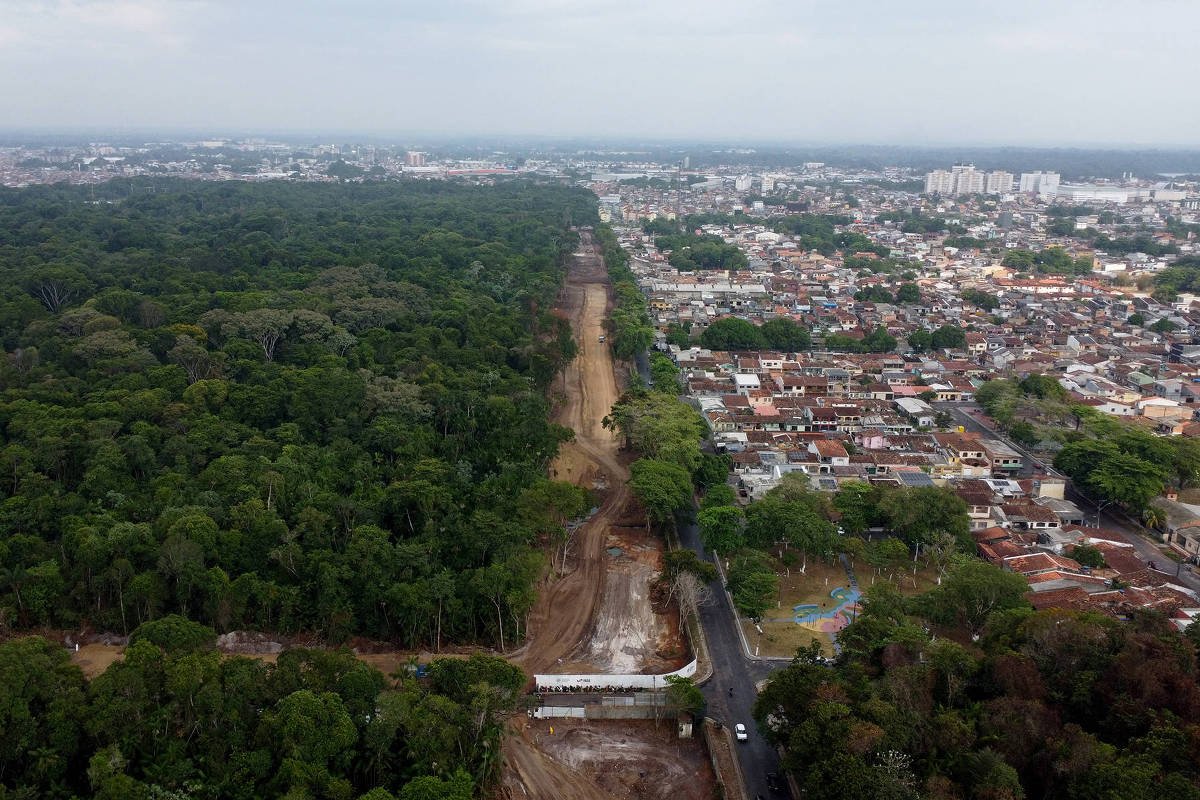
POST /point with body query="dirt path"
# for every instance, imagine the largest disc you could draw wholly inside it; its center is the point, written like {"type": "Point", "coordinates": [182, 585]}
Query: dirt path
{"type": "Point", "coordinates": [561, 620]}
{"type": "Point", "coordinates": [94, 658]}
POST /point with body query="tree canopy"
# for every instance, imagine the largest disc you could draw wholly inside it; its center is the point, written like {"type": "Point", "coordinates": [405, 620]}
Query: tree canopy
{"type": "Point", "coordinates": [967, 692]}
{"type": "Point", "coordinates": [166, 723]}
{"type": "Point", "coordinates": [733, 333]}
{"type": "Point", "coordinates": [1052, 260]}
{"type": "Point", "coordinates": [279, 406]}
{"type": "Point", "coordinates": [689, 252]}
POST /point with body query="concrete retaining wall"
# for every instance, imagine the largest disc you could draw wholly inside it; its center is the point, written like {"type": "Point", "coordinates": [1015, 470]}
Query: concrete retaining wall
{"type": "Point", "coordinates": [558, 712]}
{"type": "Point", "coordinates": [596, 682]}
{"type": "Point", "coordinates": [600, 711]}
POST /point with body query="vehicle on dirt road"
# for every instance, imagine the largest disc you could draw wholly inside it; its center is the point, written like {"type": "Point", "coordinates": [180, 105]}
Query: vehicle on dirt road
{"type": "Point", "coordinates": [739, 731]}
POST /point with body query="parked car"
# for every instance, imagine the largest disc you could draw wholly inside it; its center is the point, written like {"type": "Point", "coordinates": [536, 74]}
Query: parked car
{"type": "Point", "coordinates": [601, 340]}
{"type": "Point", "coordinates": [739, 731]}
{"type": "Point", "coordinates": [773, 782]}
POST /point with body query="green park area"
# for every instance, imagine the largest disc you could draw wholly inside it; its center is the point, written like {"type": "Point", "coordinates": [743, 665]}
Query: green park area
{"type": "Point", "coordinates": [786, 554]}
{"type": "Point", "coordinates": [814, 603]}
{"type": "Point", "coordinates": [781, 635]}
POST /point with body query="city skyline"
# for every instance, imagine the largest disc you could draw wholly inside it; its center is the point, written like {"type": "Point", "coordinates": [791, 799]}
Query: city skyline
{"type": "Point", "coordinates": [1062, 73]}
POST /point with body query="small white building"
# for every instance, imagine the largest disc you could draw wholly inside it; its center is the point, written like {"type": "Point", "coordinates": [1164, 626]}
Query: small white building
{"type": "Point", "coordinates": [746, 382]}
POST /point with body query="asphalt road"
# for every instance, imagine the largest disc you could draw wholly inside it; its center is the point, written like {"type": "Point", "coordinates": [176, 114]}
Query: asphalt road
{"type": "Point", "coordinates": [962, 416]}
{"type": "Point", "coordinates": [733, 668]}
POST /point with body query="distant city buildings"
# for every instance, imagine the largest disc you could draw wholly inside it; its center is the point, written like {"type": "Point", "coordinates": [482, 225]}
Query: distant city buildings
{"type": "Point", "coordinates": [998, 182]}
{"type": "Point", "coordinates": [940, 181]}
{"type": "Point", "coordinates": [414, 158]}
{"type": "Point", "coordinates": [1043, 184]}
{"type": "Point", "coordinates": [964, 179]}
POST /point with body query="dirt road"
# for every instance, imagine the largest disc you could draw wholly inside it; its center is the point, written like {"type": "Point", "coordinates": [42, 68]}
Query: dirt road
{"type": "Point", "coordinates": [598, 618]}
{"type": "Point", "coordinates": [563, 615]}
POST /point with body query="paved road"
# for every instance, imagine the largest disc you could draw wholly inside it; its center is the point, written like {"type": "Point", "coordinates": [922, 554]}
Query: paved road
{"type": "Point", "coordinates": [642, 360]}
{"type": "Point", "coordinates": [732, 668]}
{"type": "Point", "coordinates": [961, 412]}
{"type": "Point", "coordinates": [1147, 549]}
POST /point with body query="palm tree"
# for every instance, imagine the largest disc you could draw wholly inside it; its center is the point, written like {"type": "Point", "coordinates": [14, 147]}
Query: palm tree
{"type": "Point", "coordinates": [1153, 517]}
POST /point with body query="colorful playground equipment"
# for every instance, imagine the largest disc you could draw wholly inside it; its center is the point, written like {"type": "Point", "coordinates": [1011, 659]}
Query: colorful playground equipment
{"type": "Point", "coordinates": [831, 620]}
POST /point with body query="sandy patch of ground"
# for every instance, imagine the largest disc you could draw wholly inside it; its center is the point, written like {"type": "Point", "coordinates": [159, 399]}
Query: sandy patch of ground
{"type": "Point", "coordinates": [598, 616]}
{"type": "Point", "coordinates": [629, 635]}
{"type": "Point", "coordinates": [605, 759]}
{"type": "Point", "coordinates": [93, 659]}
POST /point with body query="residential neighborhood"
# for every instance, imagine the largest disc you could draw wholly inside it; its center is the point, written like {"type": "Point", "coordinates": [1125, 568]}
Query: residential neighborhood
{"type": "Point", "coordinates": [1001, 286]}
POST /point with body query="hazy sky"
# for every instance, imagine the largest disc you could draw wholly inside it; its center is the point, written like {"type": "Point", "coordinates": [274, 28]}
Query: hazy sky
{"type": "Point", "coordinates": [872, 71]}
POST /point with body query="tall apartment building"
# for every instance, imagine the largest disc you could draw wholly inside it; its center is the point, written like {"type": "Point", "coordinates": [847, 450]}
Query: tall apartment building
{"type": "Point", "coordinates": [998, 182]}
{"type": "Point", "coordinates": [768, 184]}
{"type": "Point", "coordinates": [965, 179]}
{"type": "Point", "coordinates": [1043, 183]}
{"type": "Point", "coordinates": [414, 159]}
{"type": "Point", "coordinates": [939, 181]}
{"type": "Point", "coordinates": [741, 183]}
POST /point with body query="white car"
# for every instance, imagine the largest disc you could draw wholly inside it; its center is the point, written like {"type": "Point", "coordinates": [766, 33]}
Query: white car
{"type": "Point", "coordinates": [739, 731]}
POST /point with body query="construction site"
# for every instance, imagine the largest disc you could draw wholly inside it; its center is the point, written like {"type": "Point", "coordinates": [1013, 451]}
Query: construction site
{"type": "Point", "coordinates": [599, 620]}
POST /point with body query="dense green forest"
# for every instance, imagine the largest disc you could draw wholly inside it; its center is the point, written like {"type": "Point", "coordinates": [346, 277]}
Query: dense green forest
{"type": "Point", "coordinates": [178, 720]}
{"type": "Point", "coordinates": [280, 406]}
{"type": "Point", "coordinates": [966, 692]}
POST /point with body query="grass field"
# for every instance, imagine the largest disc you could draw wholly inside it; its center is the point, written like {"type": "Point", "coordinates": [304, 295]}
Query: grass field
{"type": "Point", "coordinates": [781, 636]}
{"type": "Point", "coordinates": [908, 583]}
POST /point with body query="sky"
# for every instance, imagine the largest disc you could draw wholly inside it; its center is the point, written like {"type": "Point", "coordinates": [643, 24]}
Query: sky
{"type": "Point", "coordinates": [1020, 72]}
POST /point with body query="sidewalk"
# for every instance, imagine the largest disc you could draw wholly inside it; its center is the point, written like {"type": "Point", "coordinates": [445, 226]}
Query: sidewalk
{"type": "Point", "coordinates": [720, 750]}
{"type": "Point", "coordinates": [737, 624]}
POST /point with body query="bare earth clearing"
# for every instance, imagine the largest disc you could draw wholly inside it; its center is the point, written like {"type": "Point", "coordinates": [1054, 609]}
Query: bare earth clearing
{"type": "Point", "coordinates": [95, 657]}
{"type": "Point", "coordinates": [598, 618]}
{"type": "Point", "coordinates": [607, 760]}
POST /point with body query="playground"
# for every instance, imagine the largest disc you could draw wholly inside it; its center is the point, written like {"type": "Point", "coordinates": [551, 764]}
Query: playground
{"type": "Point", "coordinates": [814, 604]}
{"type": "Point", "coordinates": [817, 600]}
{"type": "Point", "coordinates": [825, 619]}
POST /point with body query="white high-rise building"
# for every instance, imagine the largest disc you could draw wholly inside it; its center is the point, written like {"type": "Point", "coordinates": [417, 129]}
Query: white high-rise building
{"type": "Point", "coordinates": [998, 182]}
{"type": "Point", "coordinates": [741, 183]}
{"type": "Point", "coordinates": [1042, 183]}
{"type": "Point", "coordinates": [939, 181]}
{"type": "Point", "coordinates": [965, 179]}
{"type": "Point", "coordinates": [768, 184]}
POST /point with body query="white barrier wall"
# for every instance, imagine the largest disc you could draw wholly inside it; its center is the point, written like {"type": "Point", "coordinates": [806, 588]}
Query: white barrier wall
{"type": "Point", "coordinates": [559, 712]}
{"type": "Point", "coordinates": [597, 682]}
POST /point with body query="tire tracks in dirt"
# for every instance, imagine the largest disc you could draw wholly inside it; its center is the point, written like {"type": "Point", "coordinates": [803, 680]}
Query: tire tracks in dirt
{"type": "Point", "coordinates": [564, 613]}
